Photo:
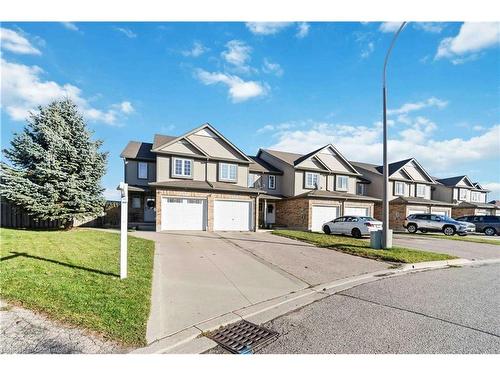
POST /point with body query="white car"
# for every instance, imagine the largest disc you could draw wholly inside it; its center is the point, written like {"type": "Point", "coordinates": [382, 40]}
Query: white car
{"type": "Point", "coordinates": [356, 226]}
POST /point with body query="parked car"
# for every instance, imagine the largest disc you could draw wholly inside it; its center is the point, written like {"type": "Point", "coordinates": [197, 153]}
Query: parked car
{"type": "Point", "coordinates": [489, 225]}
{"type": "Point", "coordinates": [356, 226]}
{"type": "Point", "coordinates": [437, 223]}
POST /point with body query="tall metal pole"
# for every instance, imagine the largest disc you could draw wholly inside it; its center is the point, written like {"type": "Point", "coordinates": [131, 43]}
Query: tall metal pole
{"type": "Point", "coordinates": [386, 234]}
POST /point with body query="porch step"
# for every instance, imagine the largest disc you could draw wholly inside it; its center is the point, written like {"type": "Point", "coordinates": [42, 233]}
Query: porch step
{"type": "Point", "coordinates": [142, 226]}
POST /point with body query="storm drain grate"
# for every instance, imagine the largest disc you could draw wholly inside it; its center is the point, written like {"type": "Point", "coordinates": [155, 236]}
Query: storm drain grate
{"type": "Point", "coordinates": [242, 337]}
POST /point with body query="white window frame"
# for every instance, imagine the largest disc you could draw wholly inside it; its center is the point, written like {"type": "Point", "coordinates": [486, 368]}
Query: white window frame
{"type": "Point", "coordinates": [475, 196]}
{"type": "Point", "coordinates": [229, 166]}
{"type": "Point", "coordinates": [360, 189]}
{"type": "Point", "coordinates": [422, 195]}
{"type": "Point", "coordinates": [337, 185]}
{"type": "Point", "coordinates": [271, 186]}
{"type": "Point", "coordinates": [139, 170]}
{"type": "Point", "coordinates": [399, 183]}
{"type": "Point", "coordinates": [313, 184]}
{"type": "Point", "coordinates": [251, 180]}
{"type": "Point", "coordinates": [464, 198]}
{"type": "Point", "coordinates": [183, 173]}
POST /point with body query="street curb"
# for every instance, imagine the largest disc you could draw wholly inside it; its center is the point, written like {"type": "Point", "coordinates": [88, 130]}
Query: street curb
{"type": "Point", "coordinates": [191, 341]}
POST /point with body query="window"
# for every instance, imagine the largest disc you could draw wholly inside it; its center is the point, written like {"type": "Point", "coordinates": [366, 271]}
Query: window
{"type": "Point", "coordinates": [420, 190]}
{"type": "Point", "coordinates": [142, 170]}
{"type": "Point", "coordinates": [475, 196]}
{"type": "Point", "coordinates": [136, 202]}
{"type": "Point", "coordinates": [312, 180]}
{"type": "Point", "coordinates": [228, 172]}
{"type": "Point", "coordinates": [361, 189]}
{"type": "Point", "coordinates": [182, 167]}
{"type": "Point", "coordinates": [251, 180]}
{"type": "Point", "coordinates": [341, 183]}
{"type": "Point", "coordinates": [399, 188]}
{"type": "Point", "coordinates": [463, 194]}
{"type": "Point", "coordinates": [272, 182]}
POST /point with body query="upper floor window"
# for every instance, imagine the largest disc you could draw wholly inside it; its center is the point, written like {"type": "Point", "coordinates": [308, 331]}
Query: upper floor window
{"type": "Point", "coordinates": [421, 190]}
{"type": "Point", "coordinates": [228, 172]}
{"type": "Point", "coordinates": [142, 170]}
{"type": "Point", "coordinates": [475, 196]}
{"type": "Point", "coordinates": [182, 167]}
{"type": "Point", "coordinates": [361, 189]}
{"type": "Point", "coordinates": [463, 194]}
{"type": "Point", "coordinates": [312, 180]}
{"type": "Point", "coordinates": [272, 182]}
{"type": "Point", "coordinates": [251, 180]}
{"type": "Point", "coordinates": [341, 183]}
{"type": "Point", "coordinates": [399, 188]}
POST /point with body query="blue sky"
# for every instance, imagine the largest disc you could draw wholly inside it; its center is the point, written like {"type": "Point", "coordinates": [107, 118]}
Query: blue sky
{"type": "Point", "coordinates": [288, 86]}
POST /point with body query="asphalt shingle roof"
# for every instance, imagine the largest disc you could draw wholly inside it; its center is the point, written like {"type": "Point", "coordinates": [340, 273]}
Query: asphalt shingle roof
{"type": "Point", "coordinates": [138, 150]}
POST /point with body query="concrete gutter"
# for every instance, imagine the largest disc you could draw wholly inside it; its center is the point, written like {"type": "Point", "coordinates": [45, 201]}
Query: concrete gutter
{"type": "Point", "coordinates": [192, 341]}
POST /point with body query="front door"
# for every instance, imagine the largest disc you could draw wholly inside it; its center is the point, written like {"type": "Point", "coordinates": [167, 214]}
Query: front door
{"type": "Point", "coordinates": [271, 213]}
{"type": "Point", "coordinates": [149, 209]}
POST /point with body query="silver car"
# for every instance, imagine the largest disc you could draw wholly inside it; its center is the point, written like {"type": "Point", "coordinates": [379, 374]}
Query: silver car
{"type": "Point", "coordinates": [437, 223]}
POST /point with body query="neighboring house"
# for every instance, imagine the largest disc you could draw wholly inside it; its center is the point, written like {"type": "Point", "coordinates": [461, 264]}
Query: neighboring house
{"type": "Point", "coordinates": [316, 188]}
{"type": "Point", "coordinates": [410, 190]}
{"type": "Point", "coordinates": [469, 197]}
{"type": "Point", "coordinates": [198, 181]}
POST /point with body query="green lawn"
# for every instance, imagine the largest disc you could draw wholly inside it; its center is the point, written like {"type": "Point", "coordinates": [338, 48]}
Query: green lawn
{"type": "Point", "coordinates": [73, 276]}
{"type": "Point", "coordinates": [362, 248]}
{"type": "Point", "coordinates": [468, 238]}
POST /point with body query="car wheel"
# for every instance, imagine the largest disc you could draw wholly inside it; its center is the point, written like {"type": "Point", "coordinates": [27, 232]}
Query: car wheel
{"type": "Point", "coordinates": [411, 228]}
{"type": "Point", "coordinates": [326, 229]}
{"type": "Point", "coordinates": [449, 230]}
{"type": "Point", "coordinates": [490, 231]}
{"type": "Point", "coordinates": [423, 230]}
{"type": "Point", "coordinates": [356, 233]}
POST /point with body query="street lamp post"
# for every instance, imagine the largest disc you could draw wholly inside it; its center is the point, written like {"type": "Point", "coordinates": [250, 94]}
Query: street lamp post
{"type": "Point", "coordinates": [386, 233]}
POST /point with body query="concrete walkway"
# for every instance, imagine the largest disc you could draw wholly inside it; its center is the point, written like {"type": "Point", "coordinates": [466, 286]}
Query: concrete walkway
{"type": "Point", "coordinates": [199, 275]}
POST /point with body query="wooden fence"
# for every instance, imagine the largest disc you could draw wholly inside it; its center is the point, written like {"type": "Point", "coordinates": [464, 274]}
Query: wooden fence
{"type": "Point", "coordinates": [15, 217]}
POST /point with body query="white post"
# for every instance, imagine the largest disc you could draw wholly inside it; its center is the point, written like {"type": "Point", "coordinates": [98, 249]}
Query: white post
{"type": "Point", "coordinates": [123, 230]}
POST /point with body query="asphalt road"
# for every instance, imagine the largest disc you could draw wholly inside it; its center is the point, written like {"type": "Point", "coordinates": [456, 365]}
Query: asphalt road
{"type": "Point", "coordinates": [454, 310]}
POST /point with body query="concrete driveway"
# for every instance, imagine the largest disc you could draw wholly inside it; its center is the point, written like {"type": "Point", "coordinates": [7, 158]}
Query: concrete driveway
{"type": "Point", "coordinates": [202, 275]}
{"type": "Point", "coordinates": [462, 249]}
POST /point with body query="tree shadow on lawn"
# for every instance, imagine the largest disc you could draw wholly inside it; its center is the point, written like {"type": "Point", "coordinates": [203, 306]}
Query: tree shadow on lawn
{"type": "Point", "coordinates": [16, 254]}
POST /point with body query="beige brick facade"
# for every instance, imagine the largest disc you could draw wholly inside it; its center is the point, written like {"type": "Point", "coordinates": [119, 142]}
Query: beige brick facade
{"type": "Point", "coordinates": [210, 197]}
{"type": "Point", "coordinates": [297, 213]}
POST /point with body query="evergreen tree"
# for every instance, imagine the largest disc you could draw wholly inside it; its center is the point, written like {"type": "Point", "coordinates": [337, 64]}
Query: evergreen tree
{"type": "Point", "coordinates": [56, 167]}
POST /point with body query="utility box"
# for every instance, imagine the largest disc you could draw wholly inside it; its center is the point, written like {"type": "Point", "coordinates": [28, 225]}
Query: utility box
{"type": "Point", "coordinates": [376, 239]}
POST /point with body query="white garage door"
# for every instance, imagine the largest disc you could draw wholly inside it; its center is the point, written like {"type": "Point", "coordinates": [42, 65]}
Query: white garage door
{"type": "Point", "coordinates": [321, 215]}
{"type": "Point", "coordinates": [232, 215]}
{"type": "Point", "coordinates": [440, 212]}
{"type": "Point", "coordinates": [357, 211]}
{"type": "Point", "coordinates": [183, 214]}
{"type": "Point", "coordinates": [417, 211]}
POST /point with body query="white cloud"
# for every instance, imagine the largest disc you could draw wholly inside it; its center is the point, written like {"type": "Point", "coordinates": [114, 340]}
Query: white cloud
{"type": "Point", "coordinates": [111, 194]}
{"type": "Point", "coordinates": [266, 28]}
{"type": "Point", "coordinates": [478, 128]}
{"type": "Point", "coordinates": [239, 90]}
{"type": "Point", "coordinates": [196, 50]}
{"type": "Point", "coordinates": [70, 26]}
{"type": "Point", "coordinates": [470, 40]}
{"type": "Point", "coordinates": [272, 68]}
{"type": "Point", "coordinates": [15, 42]}
{"type": "Point", "coordinates": [430, 27]}
{"type": "Point", "coordinates": [237, 53]}
{"type": "Point", "coordinates": [364, 143]}
{"type": "Point", "coordinates": [411, 107]}
{"type": "Point", "coordinates": [23, 89]}
{"type": "Point", "coordinates": [127, 32]}
{"type": "Point", "coordinates": [366, 52]}
{"type": "Point", "coordinates": [389, 27]}
{"type": "Point", "coordinates": [126, 107]}
{"type": "Point", "coordinates": [494, 187]}
{"type": "Point", "coordinates": [302, 30]}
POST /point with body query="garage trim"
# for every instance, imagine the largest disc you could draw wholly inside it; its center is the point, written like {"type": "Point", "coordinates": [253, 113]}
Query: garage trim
{"type": "Point", "coordinates": [204, 209]}
{"type": "Point", "coordinates": [251, 208]}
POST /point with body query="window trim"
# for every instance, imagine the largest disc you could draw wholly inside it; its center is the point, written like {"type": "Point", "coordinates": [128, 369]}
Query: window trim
{"type": "Point", "coordinates": [337, 183]}
{"type": "Point", "coordinates": [269, 182]}
{"type": "Point", "coordinates": [136, 198]}
{"type": "Point", "coordinates": [460, 194]}
{"type": "Point", "coordinates": [416, 190]}
{"type": "Point", "coordinates": [175, 175]}
{"type": "Point", "coordinates": [404, 188]}
{"type": "Point", "coordinates": [228, 179]}
{"type": "Point", "coordinates": [363, 189]}
{"type": "Point", "coordinates": [139, 163]}
{"type": "Point", "coordinates": [306, 186]}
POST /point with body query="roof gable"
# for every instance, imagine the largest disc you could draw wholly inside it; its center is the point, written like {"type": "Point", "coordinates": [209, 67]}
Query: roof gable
{"type": "Point", "coordinates": [329, 157]}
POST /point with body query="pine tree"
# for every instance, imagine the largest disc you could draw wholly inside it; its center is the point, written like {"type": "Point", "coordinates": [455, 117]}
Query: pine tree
{"type": "Point", "coordinates": [56, 168]}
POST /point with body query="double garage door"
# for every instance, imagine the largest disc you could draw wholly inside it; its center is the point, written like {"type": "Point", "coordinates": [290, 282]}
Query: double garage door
{"type": "Point", "coordinates": [191, 214]}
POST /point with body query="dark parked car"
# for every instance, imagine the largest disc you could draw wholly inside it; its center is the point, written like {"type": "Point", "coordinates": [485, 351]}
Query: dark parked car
{"type": "Point", "coordinates": [489, 225]}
